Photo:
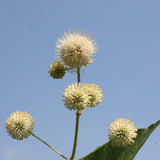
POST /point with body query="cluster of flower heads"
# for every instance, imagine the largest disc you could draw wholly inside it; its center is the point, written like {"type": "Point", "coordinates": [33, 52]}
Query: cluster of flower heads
{"type": "Point", "coordinates": [122, 132]}
{"type": "Point", "coordinates": [80, 96]}
{"type": "Point", "coordinates": [75, 50]}
{"type": "Point", "coordinates": [19, 125]}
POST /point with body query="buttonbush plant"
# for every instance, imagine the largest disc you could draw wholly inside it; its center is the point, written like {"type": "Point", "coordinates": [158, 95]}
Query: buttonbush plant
{"type": "Point", "coordinates": [74, 51]}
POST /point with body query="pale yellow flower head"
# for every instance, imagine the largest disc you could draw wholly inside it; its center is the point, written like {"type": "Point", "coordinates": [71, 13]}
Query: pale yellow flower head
{"type": "Point", "coordinates": [75, 97]}
{"type": "Point", "coordinates": [76, 49]}
{"type": "Point", "coordinates": [80, 96]}
{"type": "Point", "coordinates": [94, 93]}
{"type": "Point", "coordinates": [122, 132]}
{"type": "Point", "coordinates": [19, 125]}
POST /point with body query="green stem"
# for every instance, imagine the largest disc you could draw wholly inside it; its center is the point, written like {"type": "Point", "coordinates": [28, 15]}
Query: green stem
{"type": "Point", "coordinates": [77, 124]}
{"type": "Point", "coordinates": [75, 138]}
{"type": "Point", "coordinates": [78, 73]}
{"type": "Point", "coordinates": [48, 145]}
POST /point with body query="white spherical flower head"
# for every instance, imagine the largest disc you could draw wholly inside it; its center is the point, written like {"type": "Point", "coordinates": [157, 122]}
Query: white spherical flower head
{"type": "Point", "coordinates": [75, 97]}
{"type": "Point", "coordinates": [122, 132]}
{"type": "Point", "coordinates": [76, 49]}
{"type": "Point", "coordinates": [19, 125]}
{"type": "Point", "coordinates": [94, 93]}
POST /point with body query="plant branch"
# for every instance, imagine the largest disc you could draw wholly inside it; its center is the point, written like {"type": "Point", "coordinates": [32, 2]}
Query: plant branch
{"type": "Point", "coordinates": [77, 124]}
{"type": "Point", "coordinates": [75, 138]}
{"type": "Point", "coordinates": [48, 145]}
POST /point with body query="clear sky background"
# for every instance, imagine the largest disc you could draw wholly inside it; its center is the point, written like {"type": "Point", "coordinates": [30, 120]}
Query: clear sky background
{"type": "Point", "coordinates": [127, 68]}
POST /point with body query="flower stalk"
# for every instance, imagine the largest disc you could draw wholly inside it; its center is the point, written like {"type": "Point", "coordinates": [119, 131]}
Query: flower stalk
{"type": "Point", "coordinates": [48, 145]}
{"type": "Point", "coordinates": [78, 75]}
{"type": "Point", "coordinates": [75, 138]}
{"type": "Point", "coordinates": [77, 124]}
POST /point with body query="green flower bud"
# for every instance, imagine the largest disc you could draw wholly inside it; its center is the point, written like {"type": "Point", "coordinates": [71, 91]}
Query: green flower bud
{"type": "Point", "coordinates": [57, 70]}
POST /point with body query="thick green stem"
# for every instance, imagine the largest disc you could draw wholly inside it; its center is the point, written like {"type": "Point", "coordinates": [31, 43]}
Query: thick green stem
{"type": "Point", "coordinates": [75, 138]}
{"type": "Point", "coordinates": [77, 124]}
{"type": "Point", "coordinates": [48, 145]}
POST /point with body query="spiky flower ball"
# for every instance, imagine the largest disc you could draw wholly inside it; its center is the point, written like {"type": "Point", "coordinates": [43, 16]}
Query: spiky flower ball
{"type": "Point", "coordinates": [76, 49]}
{"type": "Point", "coordinates": [80, 96]}
{"type": "Point", "coordinates": [94, 93]}
{"type": "Point", "coordinates": [19, 125]}
{"type": "Point", "coordinates": [75, 97]}
{"type": "Point", "coordinates": [122, 132]}
{"type": "Point", "coordinates": [57, 70]}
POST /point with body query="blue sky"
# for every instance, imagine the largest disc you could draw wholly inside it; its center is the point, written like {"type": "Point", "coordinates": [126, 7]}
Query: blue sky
{"type": "Point", "coordinates": [127, 68]}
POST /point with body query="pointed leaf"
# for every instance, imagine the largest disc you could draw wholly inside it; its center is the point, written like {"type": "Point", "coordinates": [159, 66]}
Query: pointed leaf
{"type": "Point", "coordinates": [108, 151]}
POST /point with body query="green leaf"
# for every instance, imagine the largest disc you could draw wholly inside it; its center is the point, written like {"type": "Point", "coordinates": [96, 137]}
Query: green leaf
{"type": "Point", "coordinates": [108, 151]}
